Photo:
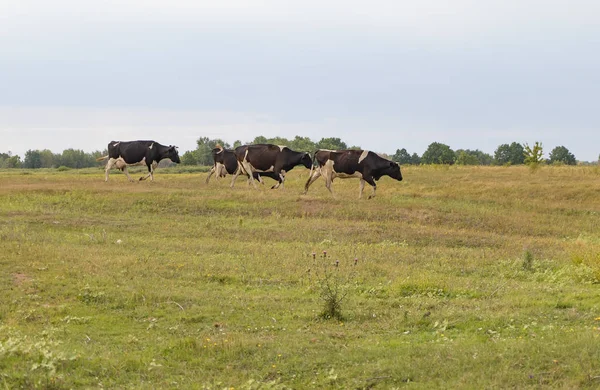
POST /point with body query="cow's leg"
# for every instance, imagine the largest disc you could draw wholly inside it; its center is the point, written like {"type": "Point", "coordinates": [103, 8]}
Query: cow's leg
{"type": "Point", "coordinates": [280, 181]}
{"type": "Point", "coordinates": [314, 176]}
{"type": "Point", "coordinates": [248, 168]}
{"type": "Point", "coordinates": [369, 179]}
{"type": "Point", "coordinates": [361, 188]}
{"type": "Point", "coordinates": [211, 173]}
{"type": "Point", "coordinates": [150, 173]}
{"type": "Point", "coordinates": [236, 174]}
{"type": "Point", "coordinates": [111, 162]}
{"type": "Point", "coordinates": [127, 173]}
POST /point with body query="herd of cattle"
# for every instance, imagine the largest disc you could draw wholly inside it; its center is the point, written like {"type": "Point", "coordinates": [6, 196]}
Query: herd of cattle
{"type": "Point", "coordinates": [260, 160]}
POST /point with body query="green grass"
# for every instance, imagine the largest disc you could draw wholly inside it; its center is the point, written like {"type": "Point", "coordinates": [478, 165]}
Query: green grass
{"type": "Point", "coordinates": [465, 277]}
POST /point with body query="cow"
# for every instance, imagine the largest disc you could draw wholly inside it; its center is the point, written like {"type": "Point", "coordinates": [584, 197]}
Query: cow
{"type": "Point", "coordinates": [122, 154]}
{"type": "Point", "coordinates": [225, 163]}
{"type": "Point", "coordinates": [363, 164]}
{"type": "Point", "coordinates": [268, 160]}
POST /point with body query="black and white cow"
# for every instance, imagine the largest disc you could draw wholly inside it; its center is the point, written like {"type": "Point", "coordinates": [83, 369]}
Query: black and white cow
{"type": "Point", "coordinates": [363, 164]}
{"type": "Point", "coordinates": [268, 160]}
{"type": "Point", "coordinates": [225, 163]}
{"type": "Point", "coordinates": [121, 154]}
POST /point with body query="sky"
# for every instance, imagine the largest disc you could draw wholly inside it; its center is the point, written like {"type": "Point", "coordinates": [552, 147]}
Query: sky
{"type": "Point", "coordinates": [381, 74]}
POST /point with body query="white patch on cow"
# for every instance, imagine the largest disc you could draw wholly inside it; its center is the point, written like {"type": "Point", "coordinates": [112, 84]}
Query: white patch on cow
{"type": "Point", "coordinates": [116, 143]}
{"type": "Point", "coordinates": [347, 176]}
{"type": "Point", "coordinates": [363, 155]}
{"type": "Point", "coordinates": [271, 169]}
{"type": "Point", "coordinates": [281, 147]}
{"type": "Point", "coordinates": [150, 147]}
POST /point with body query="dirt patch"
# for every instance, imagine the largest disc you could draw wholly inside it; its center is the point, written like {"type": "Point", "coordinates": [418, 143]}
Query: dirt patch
{"type": "Point", "coordinates": [20, 278]}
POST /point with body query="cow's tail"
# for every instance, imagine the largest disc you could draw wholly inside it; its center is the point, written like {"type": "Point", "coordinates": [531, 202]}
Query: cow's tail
{"type": "Point", "coordinates": [102, 158]}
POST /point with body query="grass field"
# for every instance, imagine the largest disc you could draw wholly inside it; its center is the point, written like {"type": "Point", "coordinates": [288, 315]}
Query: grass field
{"type": "Point", "coordinates": [482, 277]}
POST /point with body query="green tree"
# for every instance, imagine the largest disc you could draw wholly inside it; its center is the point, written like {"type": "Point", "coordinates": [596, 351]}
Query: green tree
{"type": "Point", "coordinates": [463, 157]}
{"type": "Point", "coordinates": [415, 159]}
{"type": "Point", "coordinates": [502, 155]}
{"type": "Point", "coordinates": [561, 154]}
{"type": "Point", "coordinates": [260, 140]}
{"type": "Point", "coordinates": [302, 144]}
{"type": "Point", "coordinates": [473, 157]}
{"type": "Point", "coordinates": [509, 154]}
{"type": "Point", "coordinates": [189, 158]}
{"type": "Point", "coordinates": [533, 155]}
{"type": "Point", "coordinates": [517, 156]}
{"type": "Point", "coordinates": [237, 143]}
{"type": "Point", "coordinates": [47, 158]}
{"type": "Point", "coordinates": [75, 158]}
{"type": "Point", "coordinates": [32, 159]}
{"type": "Point", "coordinates": [331, 143]}
{"type": "Point", "coordinates": [401, 156]}
{"type": "Point", "coordinates": [438, 153]}
{"type": "Point", "coordinates": [13, 162]}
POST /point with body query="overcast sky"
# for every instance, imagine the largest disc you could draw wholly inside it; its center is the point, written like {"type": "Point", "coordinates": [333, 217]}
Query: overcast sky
{"type": "Point", "coordinates": [382, 74]}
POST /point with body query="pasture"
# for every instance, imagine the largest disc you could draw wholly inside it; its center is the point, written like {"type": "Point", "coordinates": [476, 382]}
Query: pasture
{"type": "Point", "coordinates": [456, 277]}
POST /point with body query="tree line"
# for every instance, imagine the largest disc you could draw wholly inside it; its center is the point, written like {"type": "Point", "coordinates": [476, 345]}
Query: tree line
{"type": "Point", "coordinates": [436, 153]}
{"type": "Point", "coordinates": [69, 158]}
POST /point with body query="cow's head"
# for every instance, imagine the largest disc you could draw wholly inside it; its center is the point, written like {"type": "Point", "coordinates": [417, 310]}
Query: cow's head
{"type": "Point", "coordinates": [393, 171]}
{"type": "Point", "coordinates": [173, 154]}
{"type": "Point", "coordinates": [306, 160]}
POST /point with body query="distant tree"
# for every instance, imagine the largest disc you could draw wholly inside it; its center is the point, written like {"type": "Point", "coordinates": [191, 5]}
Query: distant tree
{"type": "Point", "coordinates": [533, 155]}
{"type": "Point", "coordinates": [509, 154]}
{"type": "Point", "coordinates": [517, 156]}
{"type": "Point", "coordinates": [32, 159]}
{"type": "Point", "coordinates": [415, 159]}
{"type": "Point", "coordinates": [47, 158]}
{"type": "Point", "coordinates": [302, 144]}
{"type": "Point", "coordinates": [260, 140]}
{"type": "Point", "coordinates": [401, 156]}
{"type": "Point", "coordinates": [502, 155]}
{"type": "Point", "coordinates": [561, 154]}
{"type": "Point", "coordinates": [75, 158]}
{"type": "Point", "coordinates": [331, 143]}
{"type": "Point", "coordinates": [237, 143]}
{"type": "Point", "coordinates": [472, 157]}
{"type": "Point", "coordinates": [13, 162]}
{"type": "Point", "coordinates": [438, 153]}
{"type": "Point", "coordinates": [189, 158]}
{"type": "Point", "coordinates": [463, 157]}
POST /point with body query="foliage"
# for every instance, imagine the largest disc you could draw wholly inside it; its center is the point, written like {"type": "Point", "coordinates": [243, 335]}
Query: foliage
{"type": "Point", "coordinates": [533, 155]}
{"type": "Point", "coordinates": [511, 154]}
{"type": "Point", "coordinates": [561, 155]}
{"type": "Point", "coordinates": [415, 159]}
{"type": "Point", "coordinates": [438, 153]}
{"type": "Point", "coordinates": [466, 157]}
{"type": "Point", "coordinates": [32, 159]}
{"type": "Point", "coordinates": [402, 157]}
{"type": "Point", "coordinates": [472, 157]}
{"type": "Point", "coordinates": [331, 143]}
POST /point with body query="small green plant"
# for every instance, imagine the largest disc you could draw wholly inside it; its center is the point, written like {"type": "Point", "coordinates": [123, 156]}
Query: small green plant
{"type": "Point", "coordinates": [62, 168]}
{"type": "Point", "coordinates": [333, 288]}
{"type": "Point", "coordinates": [533, 155]}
